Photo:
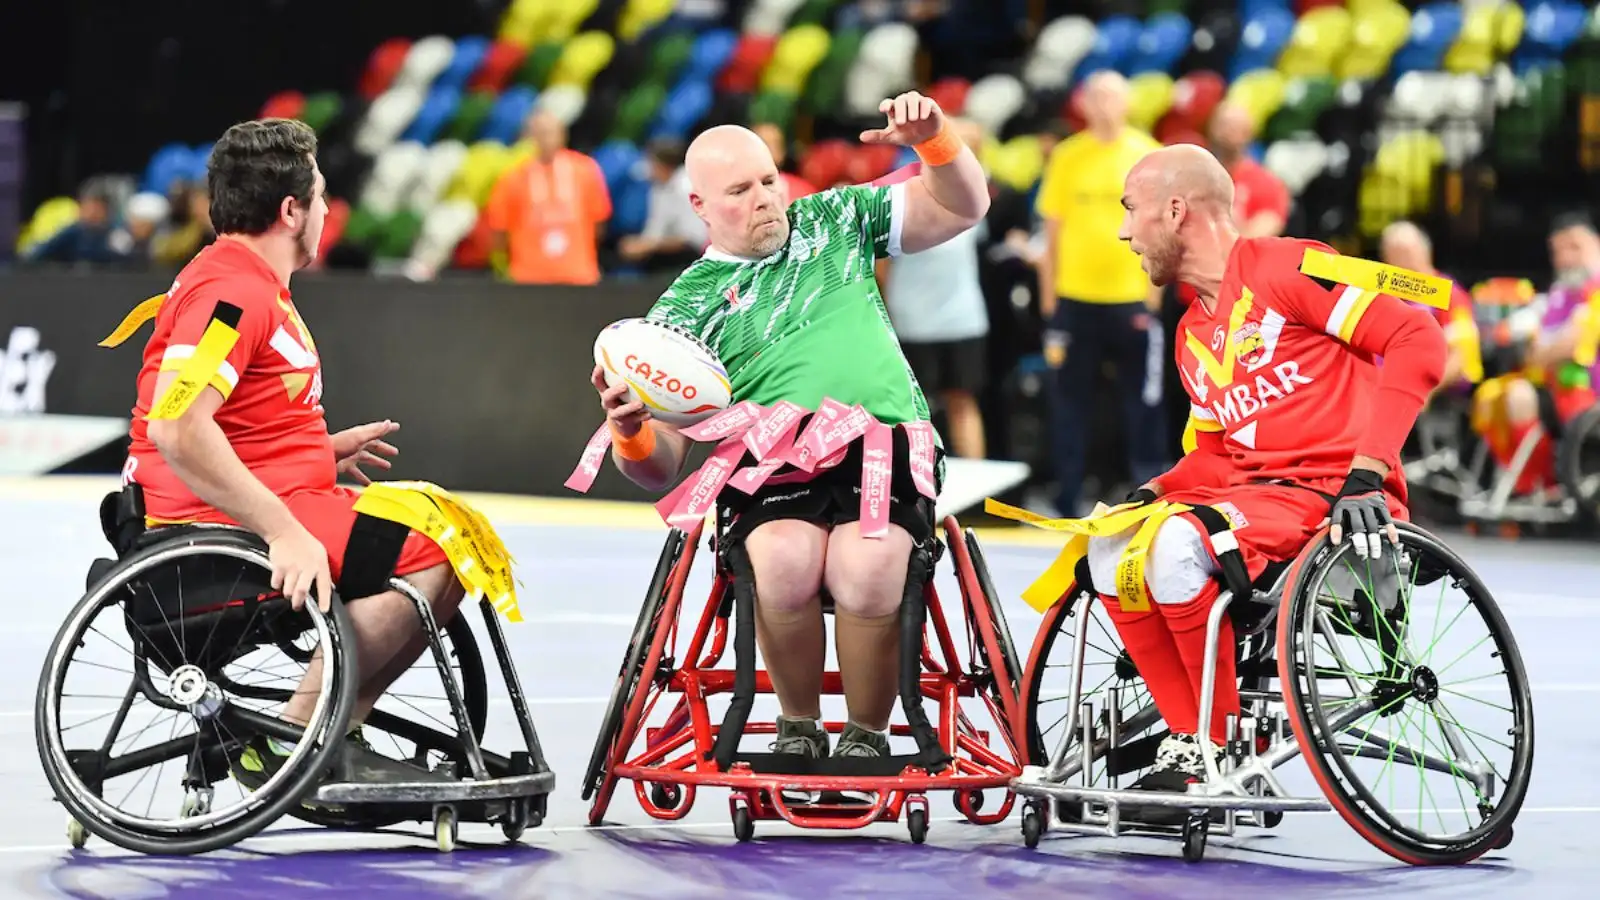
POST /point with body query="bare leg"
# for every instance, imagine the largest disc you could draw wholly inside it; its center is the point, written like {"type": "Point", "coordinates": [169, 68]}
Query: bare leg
{"type": "Point", "coordinates": [787, 558]}
{"type": "Point", "coordinates": [867, 579]}
{"type": "Point", "coordinates": [966, 424]}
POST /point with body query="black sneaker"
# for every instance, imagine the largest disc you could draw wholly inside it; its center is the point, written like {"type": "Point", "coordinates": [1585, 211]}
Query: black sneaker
{"type": "Point", "coordinates": [801, 737]}
{"type": "Point", "coordinates": [857, 742]}
{"type": "Point", "coordinates": [1178, 764]}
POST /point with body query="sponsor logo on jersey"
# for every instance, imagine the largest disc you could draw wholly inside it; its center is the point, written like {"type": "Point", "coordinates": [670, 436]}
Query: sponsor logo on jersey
{"type": "Point", "coordinates": [1242, 401]}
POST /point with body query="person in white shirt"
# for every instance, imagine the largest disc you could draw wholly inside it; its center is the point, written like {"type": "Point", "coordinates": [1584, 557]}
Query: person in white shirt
{"type": "Point", "coordinates": [672, 231]}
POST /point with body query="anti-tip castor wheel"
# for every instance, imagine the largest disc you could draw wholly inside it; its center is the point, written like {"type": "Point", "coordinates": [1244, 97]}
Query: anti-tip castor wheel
{"type": "Point", "coordinates": [1195, 830]}
{"type": "Point", "coordinates": [77, 835]}
{"type": "Point", "coordinates": [1032, 824]}
{"type": "Point", "coordinates": [917, 823]}
{"type": "Point", "coordinates": [444, 829]}
{"type": "Point", "coordinates": [743, 827]}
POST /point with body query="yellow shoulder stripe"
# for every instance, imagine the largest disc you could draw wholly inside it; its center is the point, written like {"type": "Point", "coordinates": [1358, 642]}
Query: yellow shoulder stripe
{"type": "Point", "coordinates": [1429, 290]}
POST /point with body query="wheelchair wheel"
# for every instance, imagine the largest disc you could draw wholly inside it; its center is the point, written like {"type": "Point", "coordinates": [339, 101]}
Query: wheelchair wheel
{"type": "Point", "coordinates": [1578, 463]}
{"type": "Point", "coordinates": [991, 627]}
{"type": "Point", "coordinates": [1378, 684]}
{"type": "Point", "coordinates": [416, 728]}
{"type": "Point", "coordinates": [185, 615]}
{"type": "Point", "coordinates": [1108, 672]}
{"type": "Point", "coordinates": [645, 630]}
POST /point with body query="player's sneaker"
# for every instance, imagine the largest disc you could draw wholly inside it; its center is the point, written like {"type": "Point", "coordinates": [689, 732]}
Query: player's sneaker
{"type": "Point", "coordinates": [801, 737]}
{"type": "Point", "coordinates": [857, 742]}
{"type": "Point", "coordinates": [1178, 764]}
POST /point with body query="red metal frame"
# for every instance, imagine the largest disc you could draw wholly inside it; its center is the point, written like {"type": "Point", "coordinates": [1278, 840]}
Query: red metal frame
{"type": "Point", "coordinates": [676, 754]}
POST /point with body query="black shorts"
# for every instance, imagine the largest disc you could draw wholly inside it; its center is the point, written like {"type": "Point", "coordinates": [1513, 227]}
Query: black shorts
{"type": "Point", "coordinates": [833, 497]}
{"type": "Point", "coordinates": [949, 365]}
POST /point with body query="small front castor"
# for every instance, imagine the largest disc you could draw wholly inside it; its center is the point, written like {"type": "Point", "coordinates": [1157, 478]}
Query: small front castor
{"type": "Point", "coordinates": [77, 835]}
{"type": "Point", "coordinates": [444, 829]}
{"type": "Point", "coordinates": [1272, 818]}
{"type": "Point", "coordinates": [917, 822]}
{"type": "Point", "coordinates": [516, 821]}
{"type": "Point", "coordinates": [1195, 830]}
{"type": "Point", "coordinates": [743, 827]}
{"type": "Point", "coordinates": [666, 796]}
{"type": "Point", "coordinates": [1032, 824]}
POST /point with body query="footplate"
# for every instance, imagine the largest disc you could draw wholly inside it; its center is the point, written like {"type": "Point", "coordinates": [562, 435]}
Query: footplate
{"type": "Point", "coordinates": [429, 789]}
{"type": "Point", "coordinates": [1221, 797]}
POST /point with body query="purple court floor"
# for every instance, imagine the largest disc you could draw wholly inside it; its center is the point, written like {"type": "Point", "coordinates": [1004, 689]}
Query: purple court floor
{"type": "Point", "coordinates": [581, 590]}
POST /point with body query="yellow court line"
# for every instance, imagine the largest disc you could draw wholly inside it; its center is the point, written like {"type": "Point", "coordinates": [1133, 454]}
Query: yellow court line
{"type": "Point", "coordinates": [501, 509]}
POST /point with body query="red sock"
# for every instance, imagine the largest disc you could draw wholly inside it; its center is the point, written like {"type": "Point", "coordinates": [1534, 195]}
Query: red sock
{"type": "Point", "coordinates": [1187, 624]}
{"type": "Point", "coordinates": [1150, 644]}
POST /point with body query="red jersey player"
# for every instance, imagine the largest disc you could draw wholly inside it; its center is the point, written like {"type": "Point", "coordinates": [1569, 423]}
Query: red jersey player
{"type": "Point", "coordinates": [253, 448]}
{"type": "Point", "coordinates": [1297, 426]}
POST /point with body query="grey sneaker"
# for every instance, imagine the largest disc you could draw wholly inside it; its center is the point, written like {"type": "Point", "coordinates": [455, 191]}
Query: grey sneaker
{"type": "Point", "coordinates": [801, 737]}
{"type": "Point", "coordinates": [858, 741]}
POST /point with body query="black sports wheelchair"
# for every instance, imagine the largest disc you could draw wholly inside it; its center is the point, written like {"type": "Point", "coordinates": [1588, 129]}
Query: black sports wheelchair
{"type": "Point", "coordinates": [192, 635]}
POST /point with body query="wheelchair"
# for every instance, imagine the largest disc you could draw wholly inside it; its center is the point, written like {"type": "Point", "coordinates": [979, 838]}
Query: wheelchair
{"type": "Point", "coordinates": [201, 634]}
{"type": "Point", "coordinates": [1333, 660]}
{"type": "Point", "coordinates": [687, 750]}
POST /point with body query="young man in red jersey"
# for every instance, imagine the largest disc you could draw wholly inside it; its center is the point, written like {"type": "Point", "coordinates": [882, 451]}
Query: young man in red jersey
{"type": "Point", "coordinates": [1297, 427]}
{"type": "Point", "coordinates": [253, 448]}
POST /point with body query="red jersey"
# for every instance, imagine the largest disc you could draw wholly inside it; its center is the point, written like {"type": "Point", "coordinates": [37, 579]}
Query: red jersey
{"type": "Point", "coordinates": [1256, 191]}
{"type": "Point", "coordinates": [271, 383]}
{"type": "Point", "coordinates": [1282, 378]}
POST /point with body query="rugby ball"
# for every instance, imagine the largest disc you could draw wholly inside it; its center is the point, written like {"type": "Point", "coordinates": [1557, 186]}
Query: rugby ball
{"type": "Point", "coordinates": [674, 373]}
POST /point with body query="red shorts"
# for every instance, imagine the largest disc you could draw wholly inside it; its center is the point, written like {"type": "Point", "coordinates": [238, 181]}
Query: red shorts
{"type": "Point", "coordinates": [329, 516]}
{"type": "Point", "coordinates": [1272, 522]}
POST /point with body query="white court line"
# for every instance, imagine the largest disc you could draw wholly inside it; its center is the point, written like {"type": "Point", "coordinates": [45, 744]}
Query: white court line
{"type": "Point", "coordinates": [526, 843]}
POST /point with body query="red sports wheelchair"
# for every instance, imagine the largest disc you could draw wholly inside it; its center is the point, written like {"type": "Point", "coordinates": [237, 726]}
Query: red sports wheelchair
{"type": "Point", "coordinates": [689, 750]}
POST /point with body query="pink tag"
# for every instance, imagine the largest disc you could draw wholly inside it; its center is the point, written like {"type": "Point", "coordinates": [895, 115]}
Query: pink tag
{"type": "Point", "coordinates": [877, 473]}
{"type": "Point", "coordinates": [594, 456]}
{"type": "Point", "coordinates": [728, 423]}
{"type": "Point", "coordinates": [920, 436]}
{"type": "Point", "coordinates": [773, 428]}
{"type": "Point", "coordinates": [750, 478]}
{"type": "Point", "coordinates": [702, 489]}
{"type": "Point", "coordinates": [827, 440]}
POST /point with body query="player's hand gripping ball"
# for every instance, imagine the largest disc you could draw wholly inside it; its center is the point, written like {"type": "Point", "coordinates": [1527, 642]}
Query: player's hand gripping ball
{"type": "Point", "coordinates": [672, 372]}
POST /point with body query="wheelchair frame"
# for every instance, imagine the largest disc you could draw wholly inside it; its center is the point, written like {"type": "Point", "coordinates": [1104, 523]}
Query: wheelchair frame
{"type": "Point", "coordinates": [511, 791]}
{"type": "Point", "coordinates": [679, 756]}
{"type": "Point", "coordinates": [1244, 781]}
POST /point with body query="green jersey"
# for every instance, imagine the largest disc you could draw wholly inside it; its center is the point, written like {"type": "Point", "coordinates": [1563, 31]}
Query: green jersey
{"type": "Point", "coordinates": [807, 322]}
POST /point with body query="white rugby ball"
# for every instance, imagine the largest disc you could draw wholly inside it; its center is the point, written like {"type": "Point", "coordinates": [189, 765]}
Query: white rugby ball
{"type": "Point", "coordinates": [674, 373]}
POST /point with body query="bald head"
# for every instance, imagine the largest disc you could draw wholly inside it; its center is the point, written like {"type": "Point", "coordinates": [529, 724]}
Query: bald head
{"type": "Point", "coordinates": [546, 131]}
{"type": "Point", "coordinates": [735, 187]}
{"type": "Point", "coordinates": [1105, 101]}
{"type": "Point", "coordinates": [1233, 127]}
{"type": "Point", "coordinates": [1189, 173]}
{"type": "Point", "coordinates": [1405, 245]}
{"type": "Point", "coordinates": [1180, 212]}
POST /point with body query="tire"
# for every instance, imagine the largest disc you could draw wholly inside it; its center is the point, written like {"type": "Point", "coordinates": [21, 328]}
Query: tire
{"type": "Point", "coordinates": [284, 791]}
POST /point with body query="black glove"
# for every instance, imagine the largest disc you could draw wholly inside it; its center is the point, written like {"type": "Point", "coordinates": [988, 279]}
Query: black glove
{"type": "Point", "coordinates": [1141, 496]}
{"type": "Point", "coordinates": [1361, 512]}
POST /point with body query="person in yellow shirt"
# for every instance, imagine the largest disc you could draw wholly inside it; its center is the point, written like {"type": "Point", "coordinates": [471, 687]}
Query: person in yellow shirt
{"type": "Point", "coordinates": [1098, 306]}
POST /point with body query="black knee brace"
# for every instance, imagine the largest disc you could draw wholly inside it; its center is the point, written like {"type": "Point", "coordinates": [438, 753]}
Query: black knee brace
{"type": "Point", "coordinates": [370, 556]}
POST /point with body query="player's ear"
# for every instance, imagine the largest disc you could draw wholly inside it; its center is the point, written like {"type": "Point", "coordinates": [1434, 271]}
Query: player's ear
{"type": "Point", "coordinates": [287, 208]}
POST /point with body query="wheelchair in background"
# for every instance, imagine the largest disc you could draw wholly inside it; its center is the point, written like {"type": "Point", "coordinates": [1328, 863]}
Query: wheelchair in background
{"type": "Point", "coordinates": [1337, 663]}
{"type": "Point", "coordinates": [190, 626]}
{"type": "Point", "coordinates": [687, 749]}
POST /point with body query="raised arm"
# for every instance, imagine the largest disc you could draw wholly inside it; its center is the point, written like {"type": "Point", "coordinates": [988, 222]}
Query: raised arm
{"type": "Point", "coordinates": [951, 193]}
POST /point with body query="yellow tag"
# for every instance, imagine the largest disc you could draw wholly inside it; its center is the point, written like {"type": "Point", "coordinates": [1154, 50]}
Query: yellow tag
{"type": "Point", "coordinates": [476, 553]}
{"type": "Point", "coordinates": [1131, 595]}
{"type": "Point", "coordinates": [141, 314]}
{"type": "Point", "coordinates": [1429, 290]}
{"type": "Point", "coordinates": [209, 354]}
{"type": "Point", "coordinates": [1057, 579]}
{"type": "Point", "coordinates": [1103, 522]}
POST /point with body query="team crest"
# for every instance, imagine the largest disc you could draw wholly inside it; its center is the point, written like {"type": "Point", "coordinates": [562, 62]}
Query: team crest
{"type": "Point", "coordinates": [1255, 342]}
{"type": "Point", "coordinates": [732, 296]}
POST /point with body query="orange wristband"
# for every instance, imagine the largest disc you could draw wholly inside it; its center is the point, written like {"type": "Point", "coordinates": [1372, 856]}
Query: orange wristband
{"type": "Point", "coordinates": [637, 448]}
{"type": "Point", "coordinates": [941, 149]}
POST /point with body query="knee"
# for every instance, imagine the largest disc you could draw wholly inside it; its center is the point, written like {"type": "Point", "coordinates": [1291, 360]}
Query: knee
{"type": "Point", "coordinates": [786, 559]}
{"type": "Point", "coordinates": [867, 577]}
{"type": "Point", "coordinates": [1103, 555]}
{"type": "Point", "coordinates": [1180, 566]}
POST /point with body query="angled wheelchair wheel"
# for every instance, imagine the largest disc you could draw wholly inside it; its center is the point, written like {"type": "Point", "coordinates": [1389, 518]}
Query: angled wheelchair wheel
{"type": "Point", "coordinates": [1578, 463]}
{"type": "Point", "coordinates": [987, 625]}
{"type": "Point", "coordinates": [144, 657]}
{"type": "Point", "coordinates": [1124, 728]}
{"type": "Point", "coordinates": [645, 631]}
{"type": "Point", "coordinates": [1408, 696]}
{"type": "Point", "coordinates": [412, 723]}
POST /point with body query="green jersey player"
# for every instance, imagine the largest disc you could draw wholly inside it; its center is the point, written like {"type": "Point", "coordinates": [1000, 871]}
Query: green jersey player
{"type": "Point", "coordinates": [785, 295]}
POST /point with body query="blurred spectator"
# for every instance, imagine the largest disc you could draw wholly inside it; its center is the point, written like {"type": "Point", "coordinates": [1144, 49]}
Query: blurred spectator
{"type": "Point", "coordinates": [1260, 199]}
{"type": "Point", "coordinates": [1093, 294]}
{"type": "Point", "coordinates": [1405, 245]}
{"type": "Point", "coordinates": [673, 233]}
{"type": "Point", "coordinates": [188, 230]}
{"type": "Point", "coordinates": [797, 187]}
{"type": "Point", "coordinates": [142, 215]}
{"type": "Point", "coordinates": [549, 212]}
{"type": "Point", "coordinates": [88, 240]}
{"type": "Point", "coordinates": [936, 303]}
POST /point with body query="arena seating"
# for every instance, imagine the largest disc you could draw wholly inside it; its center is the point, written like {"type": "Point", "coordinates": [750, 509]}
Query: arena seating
{"type": "Point", "coordinates": [1366, 107]}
